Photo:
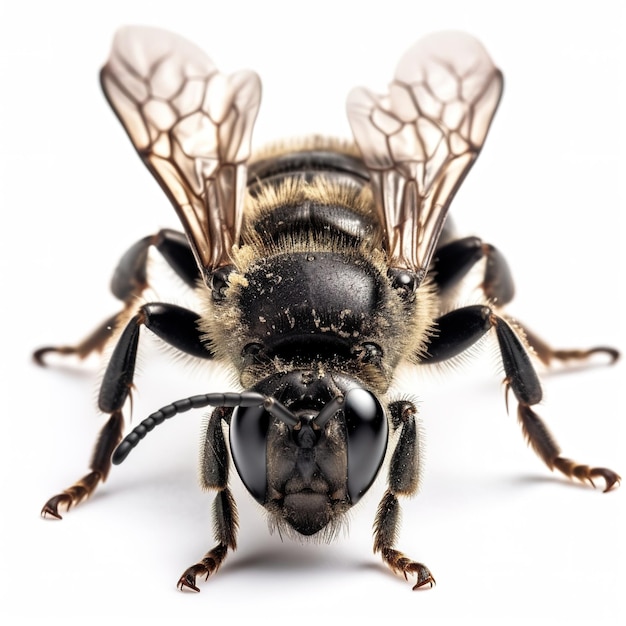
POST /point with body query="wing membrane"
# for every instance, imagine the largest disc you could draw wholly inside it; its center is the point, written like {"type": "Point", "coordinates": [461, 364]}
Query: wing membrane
{"type": "Point", "coordinates": [192, 127]}
{"type": "Point", "coordinates": [420, 140]}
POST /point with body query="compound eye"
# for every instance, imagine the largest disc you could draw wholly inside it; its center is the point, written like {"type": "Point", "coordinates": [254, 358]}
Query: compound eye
{"type": "Point", "coordinates": [248, 443]}
{"type": "Point", "coordinates": [366, 435]}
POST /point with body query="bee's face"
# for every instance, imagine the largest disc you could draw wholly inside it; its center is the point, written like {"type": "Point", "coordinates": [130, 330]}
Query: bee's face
{"type": "Point", "coordinates": [309, 472]}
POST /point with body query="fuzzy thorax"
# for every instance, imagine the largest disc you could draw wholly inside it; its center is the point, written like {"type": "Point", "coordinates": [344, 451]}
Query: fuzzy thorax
{"type": "Point", "coordinates": [275, 254]}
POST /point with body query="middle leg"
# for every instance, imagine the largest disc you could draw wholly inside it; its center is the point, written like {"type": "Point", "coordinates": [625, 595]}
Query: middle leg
{"type": "Point", "coordinates": [175, 325]}
{"type": "Point", "coordinates": [460, 329]}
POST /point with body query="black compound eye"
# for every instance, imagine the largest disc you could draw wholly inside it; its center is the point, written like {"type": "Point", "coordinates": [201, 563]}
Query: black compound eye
{"type": "Point", "coordinates": [366, 434]}
{"type": "Point", "coordinates": [248, 443]}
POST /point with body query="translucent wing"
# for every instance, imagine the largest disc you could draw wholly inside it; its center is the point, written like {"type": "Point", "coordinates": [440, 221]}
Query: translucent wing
{"type": "Point", "coordinates": [191, 126]}
{"type": "Point", "coordinates": [420, 140]}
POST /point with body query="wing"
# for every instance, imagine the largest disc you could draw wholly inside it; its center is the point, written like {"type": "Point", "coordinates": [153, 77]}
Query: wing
{"type": "Point", "coordinates": [191, 126]}
{"type": "Point", "coordinates": [420, 140]}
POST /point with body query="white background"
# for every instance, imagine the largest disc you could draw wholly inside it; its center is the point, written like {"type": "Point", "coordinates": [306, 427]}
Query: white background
{"type": "Point", "coordinates": [507, 541]}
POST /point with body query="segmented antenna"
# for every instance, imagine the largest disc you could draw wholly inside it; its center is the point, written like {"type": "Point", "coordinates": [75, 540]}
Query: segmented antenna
{"type": "Point", "coordinates": [245, 399]}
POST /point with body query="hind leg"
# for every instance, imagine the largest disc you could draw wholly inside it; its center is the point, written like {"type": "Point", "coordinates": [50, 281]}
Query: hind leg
{"type": "Point", "coordinates": [128, 282]}
{"type": "Point", "coordinates": [453, 261]}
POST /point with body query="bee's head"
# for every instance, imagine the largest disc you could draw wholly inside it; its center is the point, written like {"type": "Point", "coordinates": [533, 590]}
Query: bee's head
{"type": "Point", "coordinates": [309, 466]}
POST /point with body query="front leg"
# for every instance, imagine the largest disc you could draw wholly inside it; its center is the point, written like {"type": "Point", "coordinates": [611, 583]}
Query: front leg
{"type": "Point", "coordinates": [225, 525]}
{"type": "Point", "coordinates": [175, 325]}
{"type": "Point", "coordinates": [214, 465]}
{"type": "Point", "coordinates": [403, 479]}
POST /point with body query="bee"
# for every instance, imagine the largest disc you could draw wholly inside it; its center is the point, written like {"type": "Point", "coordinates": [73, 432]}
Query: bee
{"type": "Point", "coordinates": [320, 266]}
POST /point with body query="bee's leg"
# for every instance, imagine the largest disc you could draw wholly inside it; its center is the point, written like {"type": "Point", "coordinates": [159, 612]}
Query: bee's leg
{"type": "Point", "coordinates": [129, 280]}
{"type": "Point", "coordinates": [403, 480]}
{"type": "Point", "coordinates": [130, 276]}
{"type": "Point", "coordinates": [214, 466]}
{"type": "Point", "coordinates": [547, 354]}
{"type": "Point", "coordinates": [108, 439]}
{"type": "Point", "coordinates": [461, 328]}
{"type": "Point", "coordinates": [174, 324]}
{"type": "Point", "coordinates": [94, 342]}
{"type": "Point", "coordinates": [523, 381]}
{"type": "Point", "coordinates": [455, 259]}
